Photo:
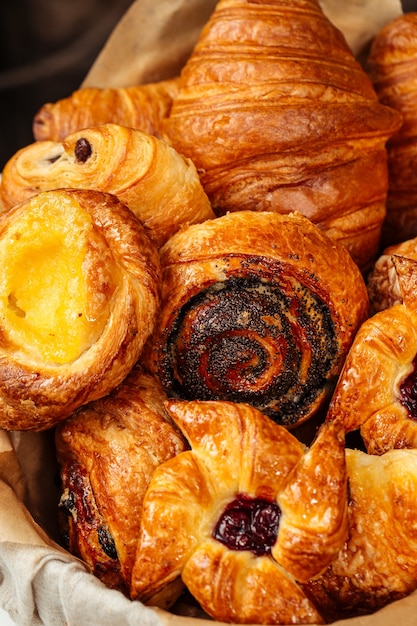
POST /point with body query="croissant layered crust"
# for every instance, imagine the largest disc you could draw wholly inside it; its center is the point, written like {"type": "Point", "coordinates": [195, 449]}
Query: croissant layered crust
{"type": "Point", "coordinates": [107, 451]}
{"type": "Point", "coordinates": [277, 115]}
{"type": "Point", "coordinates": [242, 464]}
{"type": "Point", "coordinates": [139, 106]}
{"type": "Point", "coordinates": [392, 66]}
{"type": "Point", "coordinates": [376, 389]}
{"type": "Point", "coordinates": [250, 313]}
{"type": "Point", "coordinates": [158, 185]}
{"type": "Point", "coordinates": [79, 292]}
{"type": "Point", "coordinates": [378, 564]}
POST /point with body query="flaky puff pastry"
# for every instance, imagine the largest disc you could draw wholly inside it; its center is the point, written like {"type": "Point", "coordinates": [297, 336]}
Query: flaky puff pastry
{"type": "Point", "coordinates": [158, 185]}
{"type": "Point", "coordinates": [376, 389]}
{"type": "Point", "coordinates": [392, 66]}
{"type": "Point", "coordinates": [107, 452]}
{"type": "Point", "coordinates": [277, 115]}
{"type": "Point", "coordinates": [383, 285]}
{"type": "Point", "coordinates": [257, 307]}
{"type": "Point", "coordinates": [244, 515]}
{"type": "Point", "coordinates": [139, 106]}
{"type": "Point", "coordinates": [79, 292]}
{"type": "Point", "coordinates": [378, 563]}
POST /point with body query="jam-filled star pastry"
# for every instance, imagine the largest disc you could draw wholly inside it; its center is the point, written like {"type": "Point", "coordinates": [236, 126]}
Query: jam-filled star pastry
{"type": "Point", "coordinates": [243, 516]}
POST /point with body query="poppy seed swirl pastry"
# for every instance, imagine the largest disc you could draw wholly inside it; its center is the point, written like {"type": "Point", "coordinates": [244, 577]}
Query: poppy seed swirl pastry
{"type": "Point", "coordinates": [107, 451]}
{"type": "Point", "coordinates": [376, 391]}
{"type": "Point", "coordinates": [79, 292]}
{"type": "Point", "coordinates": [258, 308]}
{"type": "Point", "coordinates": [243, 516]}
{"type": "Point", "coordinates": [157, 184]}
{"type": "Point", "coordinates": [140, 106]}
{"type": "Point", "coordinates": [278, 115]}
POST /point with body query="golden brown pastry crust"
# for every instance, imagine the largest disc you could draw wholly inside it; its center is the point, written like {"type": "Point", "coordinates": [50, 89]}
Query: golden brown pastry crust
{"type": "Point", "coordinates": [278, 115]}
{"type": "Point", "coordinates": [378, 563]}
{"type": "Point", "coordinates": [257, 307]}
{"type": "Point", "coordinates": [161, 187]}
{"type": "Point", "coordinates": [140, 106]}
{"type": "Point", "coordinates": [392, 66]}
{"type": "Point", "coordinates": [237, 451]}
{"type": "Point", "coordinates": [369, 394]}
{"type": "Point", "coordinates": [107, 452]}
{"type": "Point", "coordinates": [55, 357]}
{"type": "Point", "coordinates": [383, 285]}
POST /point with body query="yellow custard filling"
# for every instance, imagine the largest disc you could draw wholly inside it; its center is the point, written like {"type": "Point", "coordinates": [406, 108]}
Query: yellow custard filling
{"type": "Point", "coordinates": [46, 281]}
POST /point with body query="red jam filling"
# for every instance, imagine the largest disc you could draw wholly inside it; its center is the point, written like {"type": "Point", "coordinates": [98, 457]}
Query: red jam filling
{"type": "Point", "coordinates": [249, 524]}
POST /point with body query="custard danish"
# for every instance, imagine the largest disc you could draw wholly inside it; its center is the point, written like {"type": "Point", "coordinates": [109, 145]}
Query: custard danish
{"type": "Point", "coordinates": [79, 292]}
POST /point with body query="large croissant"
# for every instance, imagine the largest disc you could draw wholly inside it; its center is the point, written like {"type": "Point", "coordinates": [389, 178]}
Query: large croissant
{"type": "Point", "coordinates": [161, 187]}
{"type": "Point", "coordinates": [392, 66]}
{"type": "Point", "coordinates": [277, 114]}
{"type": "Point", "coordinates": [139, 106]}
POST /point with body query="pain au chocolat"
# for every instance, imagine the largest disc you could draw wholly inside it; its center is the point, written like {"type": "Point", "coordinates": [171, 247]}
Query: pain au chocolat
{"type": "Point", "coordinates": [278, 115]}
{"type": "Point", "coordinates": [161, 187]}
{"type": "Point", "coordinates": [257, 307]}
{"type": "Point", "coordinates": [79, 292]}
{"type": "Point", "coordinates": [107, 451]}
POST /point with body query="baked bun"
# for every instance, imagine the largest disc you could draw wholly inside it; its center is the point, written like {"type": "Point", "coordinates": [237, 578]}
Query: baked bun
{"type": "Point", "coordinates": [243, 516]}
{"type": "Point", "coordinates": [376, 389]}
{"type": "Point", "coordinates": [156, 183]}
{"type": "Point", "coordinates": [139, 106]}
{"type": "Point", "coordinates": [392, 66]}
{"type": "Point", "coordinates": [278, 115]}
{"type": "Point", "coordinates": [378, 563]}
{"type": "Point", "coordinates": [79, 292]}
{"type": "Point", "coordinates": [383, 285]}
{"type": "Point", "coordinates": [257, 307]}
{"type": "Point", "coordinates": [107, 451]}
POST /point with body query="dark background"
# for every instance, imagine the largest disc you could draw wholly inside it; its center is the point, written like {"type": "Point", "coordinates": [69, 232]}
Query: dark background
{"type": "Point", "coordinates": [46, 49]}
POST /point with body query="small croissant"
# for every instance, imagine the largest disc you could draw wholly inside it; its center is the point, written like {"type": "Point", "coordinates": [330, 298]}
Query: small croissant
{"type": "Point", "coordinates": [278, 115]}
{"type": "Point", "coordinates": [139, 106]}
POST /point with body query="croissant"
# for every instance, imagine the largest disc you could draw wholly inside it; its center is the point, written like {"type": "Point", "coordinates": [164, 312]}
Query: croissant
{"type": "Point", "coordinates": [161, 187]}
{"type": "Point", "coordinates": [79, 293]}
{"type": "Point", "coordinates": [107, 451]}
{"type": "Point", "coordinates": [243, 516]}
{"type": "Point", "coordinates": [383, 285]}
{"type": "Point", "coordinates": [392, 66]}
{"type": "Point", "coordinates": [139, 106]}
{"type": "Point", "coordinates": [376, 389]}
{"type": "Point", "coordinates": [257, 307]}
{"type": "Point", "coordinates": [277, 115]}
{"type": "Point", "coordinates": [378, 563]}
